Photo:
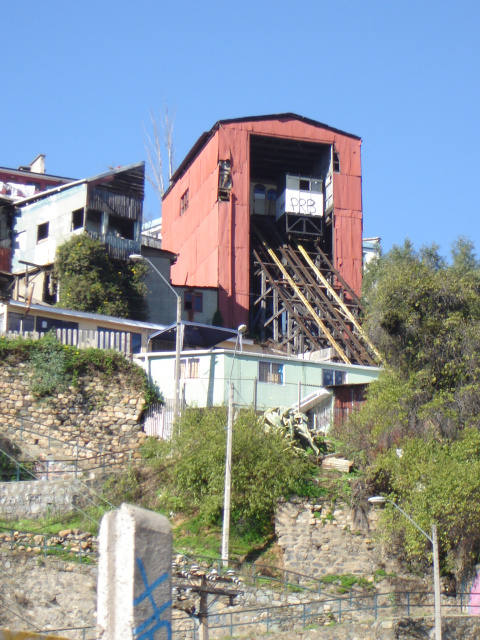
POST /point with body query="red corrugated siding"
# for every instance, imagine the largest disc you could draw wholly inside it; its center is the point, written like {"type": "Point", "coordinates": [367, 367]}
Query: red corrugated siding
{"type": "Point", "coordinates": [213, 239]}
{"type": "Point", "coordinates": [6, 260]}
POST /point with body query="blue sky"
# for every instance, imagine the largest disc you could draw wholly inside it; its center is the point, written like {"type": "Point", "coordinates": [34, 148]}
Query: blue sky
{"type": "Point", "coordinates": [79, 79]}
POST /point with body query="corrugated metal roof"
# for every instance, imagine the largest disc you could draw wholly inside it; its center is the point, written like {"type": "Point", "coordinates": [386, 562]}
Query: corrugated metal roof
{"type": "Point", "coordinates": [135, 182]}
{"type": "Point", "coordinates": [87, 316]}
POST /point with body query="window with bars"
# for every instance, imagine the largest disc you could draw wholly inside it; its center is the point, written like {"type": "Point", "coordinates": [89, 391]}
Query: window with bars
{"type": "Point", "coordinates": [184, 201]}
{"type": "Point", "coordinates": [270, 372]}
{"type": "Point", "coordinates": [189, 368]}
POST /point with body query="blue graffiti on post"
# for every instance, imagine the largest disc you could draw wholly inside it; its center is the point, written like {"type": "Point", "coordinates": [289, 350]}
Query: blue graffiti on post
{"type": "Point", "coordinates": [153, 623]}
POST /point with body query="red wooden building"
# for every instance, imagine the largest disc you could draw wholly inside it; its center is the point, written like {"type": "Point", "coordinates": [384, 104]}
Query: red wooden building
{"type": "Point", "coordinates": [249, 187]}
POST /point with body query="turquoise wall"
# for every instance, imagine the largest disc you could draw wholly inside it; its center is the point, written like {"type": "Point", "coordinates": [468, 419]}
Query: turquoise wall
{"type": "Point", "coordinates": [215, 369]}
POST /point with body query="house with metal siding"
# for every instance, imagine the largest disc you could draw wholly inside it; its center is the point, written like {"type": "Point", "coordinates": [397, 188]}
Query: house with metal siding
{"type": "Point", "coordinates": [261, 381]}
{"type": "Point", "coordinates": [19, 318]}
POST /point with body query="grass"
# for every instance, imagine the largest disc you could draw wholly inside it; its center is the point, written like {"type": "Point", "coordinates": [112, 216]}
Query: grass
{"type": "Point", "coordinates": [54, 524]}
{"type": "Point", "coordinates": [346, 581]}
{"type": "Point", "coordinates": [192, 536]}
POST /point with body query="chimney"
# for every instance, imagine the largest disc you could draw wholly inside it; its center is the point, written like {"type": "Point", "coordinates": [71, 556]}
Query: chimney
{"type": "Point", "coordinates": [38, 165]}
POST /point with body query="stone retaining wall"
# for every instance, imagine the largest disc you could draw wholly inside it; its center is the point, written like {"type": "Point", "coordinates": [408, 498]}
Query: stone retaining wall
{"type": "Point", "coordinates": [321, 538]}
{"type": "Point", "coordinates": [48, 594]}
{"type": "Point", "coordinates": [36, 499]}
{"type": "Point", "coordinates": [93, 417]}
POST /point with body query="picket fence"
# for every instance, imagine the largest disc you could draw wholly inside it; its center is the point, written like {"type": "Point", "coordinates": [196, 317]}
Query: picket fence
{"type": "Point", "coordinates": [158, 420]}
{"type": "Point", "coordinates": [84, 339]}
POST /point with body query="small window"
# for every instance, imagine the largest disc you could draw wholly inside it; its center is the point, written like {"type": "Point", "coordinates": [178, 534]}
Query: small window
{"type": "Point", "coordinates": [189, 368]}
{"type": "Point", "coordinates": [77, 219]}
{"type": "Point", "coordinates": [184, 202]}
{"type": "Point", "coordinates": [121, 227]}
{"type": "Point", "coordinates": [94, 220]}
{"type": "Point", "coordinates": [270, 372]}
{"type": "Point", "coordinates": [304, 185]}
{"type": "Point", "coordinates": [193, 301]}
{"type": "Point", "coordinates": [42, 232]}
{"type": "Point", "coordinates": [20, 322]}
{"type": "Point", "coordinates": [45, 324]}
{"type": "Point", "coordinates": [336, 162]}
{"type": "Point", "coordinates": [332, 376]}
{"type": "Point", "coordinates": [224, 180]}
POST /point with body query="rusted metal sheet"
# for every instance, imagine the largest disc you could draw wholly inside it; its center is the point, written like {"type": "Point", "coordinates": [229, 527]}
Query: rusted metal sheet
{"type": "Point", "coordinates": [5, 259]}
{"type": "Point", "coordinates": [347, 398]}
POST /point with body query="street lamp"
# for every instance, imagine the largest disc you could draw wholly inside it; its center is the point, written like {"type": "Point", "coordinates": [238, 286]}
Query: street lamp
{"type": "Point", "coordinates": [136, 257]}
{"type": "Point", "coordinates": [228, 457]}
{"type": "Point", "coordinates": [436, 565]}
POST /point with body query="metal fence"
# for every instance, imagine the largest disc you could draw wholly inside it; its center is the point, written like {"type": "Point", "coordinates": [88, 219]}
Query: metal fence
{"type": "Point", "coordinates": [328, 610]}
{"type": "Point", "coordinates": [84, 339]}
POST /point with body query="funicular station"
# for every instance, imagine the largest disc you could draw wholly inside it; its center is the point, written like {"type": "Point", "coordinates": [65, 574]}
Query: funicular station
{"type": "Point", "coordinates": [268, 211]}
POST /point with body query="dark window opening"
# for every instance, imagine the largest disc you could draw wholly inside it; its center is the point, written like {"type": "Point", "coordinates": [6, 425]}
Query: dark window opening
{"type": "Point", "coordinates": [184, 202]}
{"type": "Point", "coordinates": [19, 322]}
{"type": "Point", "coordinates": [94, 220]}
{"type": "Point", "coordinates": [336, 162]}
{"type": "Point", "coordinates": [43, 325]}
{"type": "Point", "coordinates": [77, 219]}
{"type": "Point", "coordinates": [331, 376]}
{"type": "Point", "coordinates": [304, 185]}
{"type": "Point", "coordinates": [121, 227]}
{"type": "Point", "coordinates": [224, 180]}
{"type": "Point", "coordinates": [42, 232]}
{"type": "Point", "coordinates": [193, 301]}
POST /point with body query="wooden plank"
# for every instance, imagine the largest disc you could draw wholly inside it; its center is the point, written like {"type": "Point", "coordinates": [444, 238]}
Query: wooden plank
{"type": "Point", "coordinates": [339, 464]}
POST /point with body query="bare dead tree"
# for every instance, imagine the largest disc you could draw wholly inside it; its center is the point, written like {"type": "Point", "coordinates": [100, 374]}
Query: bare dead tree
{"type": "Point", "coordinates": [160, 140]}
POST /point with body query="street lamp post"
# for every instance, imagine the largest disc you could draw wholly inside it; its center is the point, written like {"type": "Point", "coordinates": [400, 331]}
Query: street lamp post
{"type": "Point", "coordinates": [436, 564]}
{"type": "Point", "coordinates": [228, 457]}
{"type": "Point", "coordinates": [136, 257]}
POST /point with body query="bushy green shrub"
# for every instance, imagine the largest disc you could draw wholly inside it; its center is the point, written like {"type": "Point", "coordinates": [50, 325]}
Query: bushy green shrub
{"type": "Point", "coordinates": [55, 366]}
{"type": "Point", "coordinates": [263, 469]}
{"type": "Point", "coordinates": [434, 482]}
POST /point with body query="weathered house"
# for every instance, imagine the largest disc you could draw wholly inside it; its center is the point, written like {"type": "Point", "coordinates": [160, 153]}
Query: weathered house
{"type": "Point", "coordinates": [107, 206]}
{"type": "Point", "coordinates": [267, 211]}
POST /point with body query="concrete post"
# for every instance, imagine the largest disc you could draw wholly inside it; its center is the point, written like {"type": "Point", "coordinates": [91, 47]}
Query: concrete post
{"type": "Point", "coordinates": [134, 576]}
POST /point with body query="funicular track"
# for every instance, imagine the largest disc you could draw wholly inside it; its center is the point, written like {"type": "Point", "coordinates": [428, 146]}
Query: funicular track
{"type": "Point", "coordinates": [305, 304]}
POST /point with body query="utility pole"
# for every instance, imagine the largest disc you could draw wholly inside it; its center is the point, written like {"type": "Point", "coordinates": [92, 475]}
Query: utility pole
{"type": "Point", "coordinates": [204, 585]}
{"type": "Point", "coordinates": [228, 480]}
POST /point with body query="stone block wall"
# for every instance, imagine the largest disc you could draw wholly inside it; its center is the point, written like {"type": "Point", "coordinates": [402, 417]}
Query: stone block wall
{"type": "Point", "coordinates": [37, 499]}
{"type": "Point", "coordinates": [96, 417]}
{"type": "Point", "coordinates": [49, 594]}
{"type": "Point", "coordinates": [321, 538]}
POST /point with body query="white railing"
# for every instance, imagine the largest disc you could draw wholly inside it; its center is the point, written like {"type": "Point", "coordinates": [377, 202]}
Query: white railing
{"type": "Point", "coordinates": [84, 339]}
{"type": "Point", "coordinates": [158, 420]}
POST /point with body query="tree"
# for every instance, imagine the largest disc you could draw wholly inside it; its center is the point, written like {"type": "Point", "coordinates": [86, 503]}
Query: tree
{"type": "Point", "coordinates": [434, 481]}
{"type": "Point", "coordinates": [417, 435]}
{"type": "Point", "coordinates": [263, 469]}
{"type": "Point", "coordinates": [160, 139]}
{"type": "Point", "coordinates": [424, 316]}
{"type": "Point", "coordinates": [89, 280]}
